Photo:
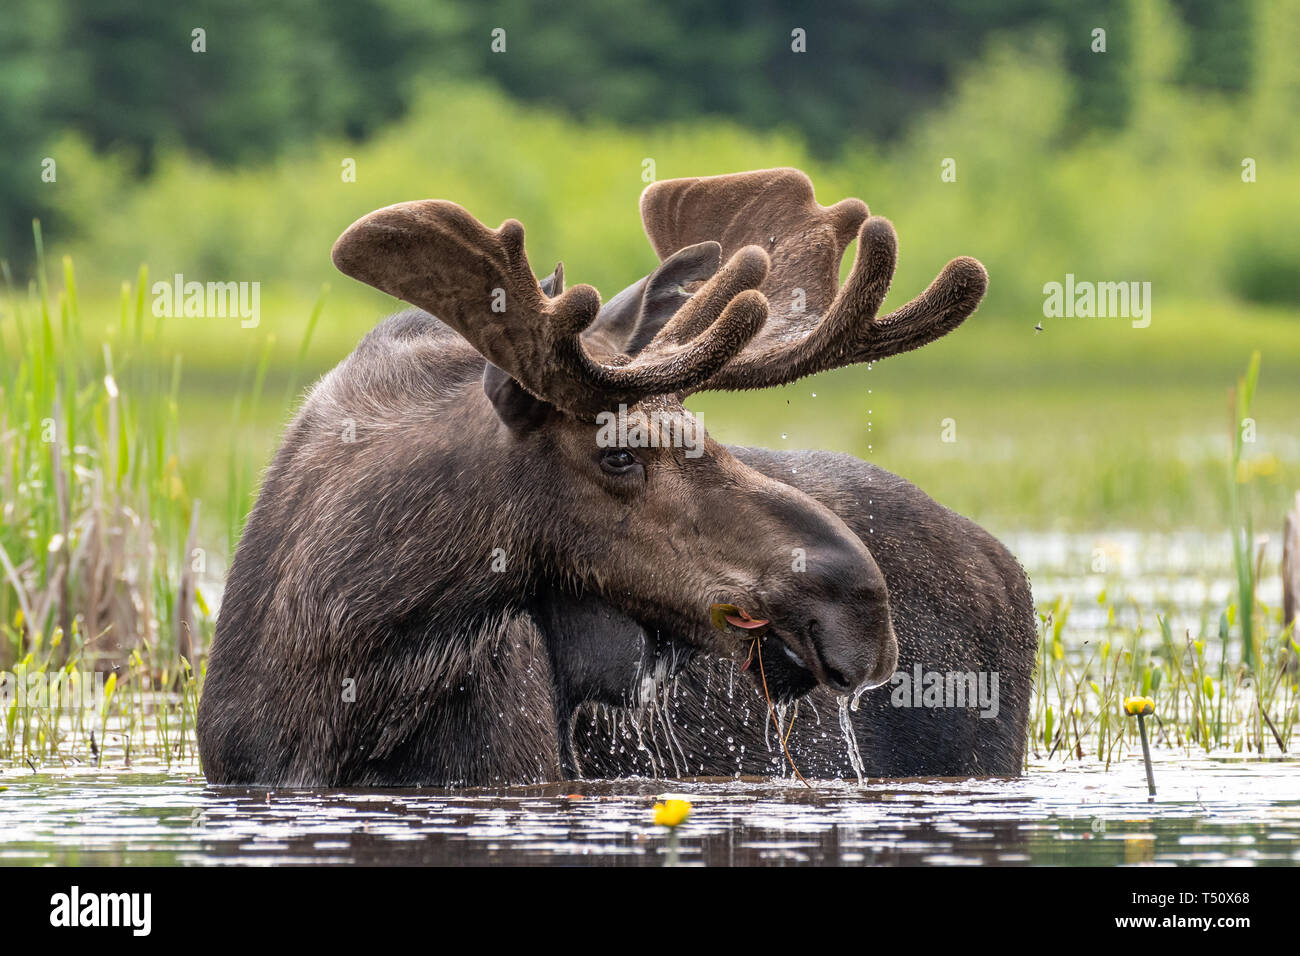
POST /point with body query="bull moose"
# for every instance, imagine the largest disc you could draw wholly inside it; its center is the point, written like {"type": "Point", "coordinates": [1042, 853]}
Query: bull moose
{"type": "Point", "coordinates": [447, 576]}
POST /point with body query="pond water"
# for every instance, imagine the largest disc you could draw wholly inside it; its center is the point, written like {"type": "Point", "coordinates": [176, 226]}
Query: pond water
{"type": "Point", "coordinates": [1208, 811]}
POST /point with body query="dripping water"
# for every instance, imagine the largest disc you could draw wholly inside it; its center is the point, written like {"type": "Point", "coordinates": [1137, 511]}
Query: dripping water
{"type": "Point", "coordinates": [850, 738]}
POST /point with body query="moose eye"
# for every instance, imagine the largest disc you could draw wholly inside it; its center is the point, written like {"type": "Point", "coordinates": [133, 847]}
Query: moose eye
{"type": "Point", "coordinates": [617, 461]}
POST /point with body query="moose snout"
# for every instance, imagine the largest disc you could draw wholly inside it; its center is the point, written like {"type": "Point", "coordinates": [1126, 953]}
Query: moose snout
{"type": "Point", "coordinates": [836, 622]}
{"type": "Point", "coordinates": [830, 606]}
{"type": "Point", "coordinates": [848, 647]}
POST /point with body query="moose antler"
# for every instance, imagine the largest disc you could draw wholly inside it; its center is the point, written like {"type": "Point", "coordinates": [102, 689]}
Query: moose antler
{"type": "Point", "coordinates": [815, 325]}
{"type": "Point", "coordinates": [435, 255]}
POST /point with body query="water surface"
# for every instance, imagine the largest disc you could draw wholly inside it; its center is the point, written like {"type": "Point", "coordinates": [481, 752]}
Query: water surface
{"type": "Point", "coordinates": [1208, 811]}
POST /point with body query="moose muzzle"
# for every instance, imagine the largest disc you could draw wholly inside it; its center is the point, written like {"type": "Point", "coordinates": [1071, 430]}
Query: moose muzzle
{"type": "Point", "coordinates": [837, 625]}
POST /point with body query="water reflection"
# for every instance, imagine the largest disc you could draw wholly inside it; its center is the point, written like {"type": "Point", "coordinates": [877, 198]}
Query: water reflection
{"type": "Point", "coordinates": [1208, 812]}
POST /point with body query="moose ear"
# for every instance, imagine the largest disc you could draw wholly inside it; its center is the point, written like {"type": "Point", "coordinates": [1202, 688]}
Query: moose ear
{"type": "Point", "coordinates": [521, 411]}
{"type": "Point", "coordinates": [629, 321]}
{"type": "Point", "coordinates": [665, 289]}
{"type": "Point", "coordinates": [553, 284]}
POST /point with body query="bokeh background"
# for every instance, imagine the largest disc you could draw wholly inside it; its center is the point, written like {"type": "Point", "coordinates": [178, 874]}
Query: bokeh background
{"type": "Point", "coordinates": [228, 165]}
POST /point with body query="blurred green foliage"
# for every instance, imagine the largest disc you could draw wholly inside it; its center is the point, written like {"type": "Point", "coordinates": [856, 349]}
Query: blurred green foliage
{"type": "Point", "coordinates": [127, 75]}
{"type": "Point", "coordinates": [1221, 47]}
{"type": "Point", "coordinates": [1161, 199]}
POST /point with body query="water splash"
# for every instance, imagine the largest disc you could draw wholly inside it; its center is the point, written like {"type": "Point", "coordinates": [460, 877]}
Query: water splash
{"type": "Point", "coordinates": [850, 738]}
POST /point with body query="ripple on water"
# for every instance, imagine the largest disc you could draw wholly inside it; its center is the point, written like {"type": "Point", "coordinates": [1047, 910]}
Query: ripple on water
{"type": "Point", "coordinates": [1208, 812]}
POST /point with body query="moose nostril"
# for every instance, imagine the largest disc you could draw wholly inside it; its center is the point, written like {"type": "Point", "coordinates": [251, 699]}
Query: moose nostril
{"type": "Point", "coordinates": [834, 676]}
{"type": "Point", "coordinates": [833, 664]}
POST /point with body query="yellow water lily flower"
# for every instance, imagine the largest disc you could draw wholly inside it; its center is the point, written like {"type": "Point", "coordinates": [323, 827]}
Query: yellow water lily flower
{"type": "Point", "coordinates": [670, 813]}
{"type": "Point", "coordinates": [1139, 706]}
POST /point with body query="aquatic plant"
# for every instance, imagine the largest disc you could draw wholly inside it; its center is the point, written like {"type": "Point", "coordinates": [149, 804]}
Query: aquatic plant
{"type": "Point", "coordinates": [672, 812]}
{"type": "Point", "coordinates": [102, 578]}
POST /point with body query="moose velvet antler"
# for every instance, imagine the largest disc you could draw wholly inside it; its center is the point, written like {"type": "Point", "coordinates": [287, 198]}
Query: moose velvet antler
{"type": "Point", "coordinates": [435, 255]}
{"type": "Point", "coordinates": [815, 324]}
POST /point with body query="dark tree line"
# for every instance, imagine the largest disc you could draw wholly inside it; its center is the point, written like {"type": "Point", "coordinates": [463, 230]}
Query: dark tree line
{"type": "Point", "coordinates": [274, 76]}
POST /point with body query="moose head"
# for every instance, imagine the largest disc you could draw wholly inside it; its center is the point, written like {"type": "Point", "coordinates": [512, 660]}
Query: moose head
{"type": "Point", "coordinates": [660, 531]}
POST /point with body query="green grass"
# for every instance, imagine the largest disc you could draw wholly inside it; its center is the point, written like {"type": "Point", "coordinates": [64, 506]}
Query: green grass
{"type": "Point", "coordinates": [101, 566]}
{"type": "Point", "coordinates": [145, 709]}
{"type": "Point", "coordinates": [1236, 686]}
{"type": "Point", "coordinates": [1210, 695]}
